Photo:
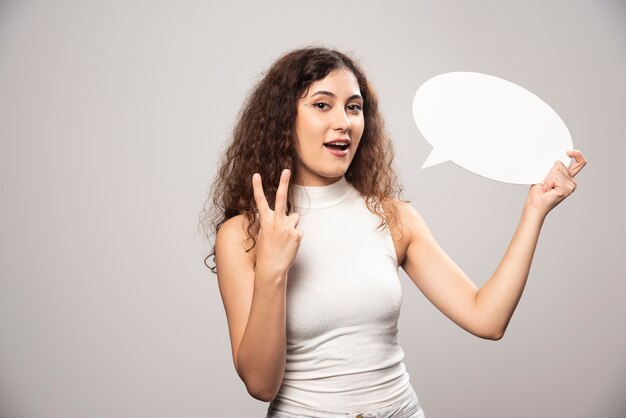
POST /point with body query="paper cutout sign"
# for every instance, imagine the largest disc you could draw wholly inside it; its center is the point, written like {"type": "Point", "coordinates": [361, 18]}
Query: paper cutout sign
{"type": "Point", "coordinates": [490, 126]}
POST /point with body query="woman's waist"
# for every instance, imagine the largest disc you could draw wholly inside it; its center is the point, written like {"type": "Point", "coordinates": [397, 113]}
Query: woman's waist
{"type": "Point", "coordinates": [342, 358]}
{"type": "Point", "coordinates": [345, 391]}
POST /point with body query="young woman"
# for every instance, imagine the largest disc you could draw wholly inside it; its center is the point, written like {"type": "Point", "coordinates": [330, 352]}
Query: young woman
{"type": "Point", "coordinates": [309, 237]}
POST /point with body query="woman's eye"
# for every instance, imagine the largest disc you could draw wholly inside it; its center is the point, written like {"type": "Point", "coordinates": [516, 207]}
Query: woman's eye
{"type": "Point", "coordinates": [355, 107]}
{"type": "Point", "coordinates": [321, 105]}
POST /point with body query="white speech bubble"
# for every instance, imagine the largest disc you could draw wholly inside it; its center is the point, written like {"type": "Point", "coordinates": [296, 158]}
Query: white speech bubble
{"type": "Point", "coordinates": [490, 126]}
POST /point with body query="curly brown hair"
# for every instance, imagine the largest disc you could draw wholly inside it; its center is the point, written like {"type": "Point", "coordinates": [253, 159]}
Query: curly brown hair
{"type": "Point", "coordinates": [263, 142]}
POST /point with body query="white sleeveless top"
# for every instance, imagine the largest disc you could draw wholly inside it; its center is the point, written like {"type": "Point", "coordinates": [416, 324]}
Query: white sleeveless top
{"type": "Point", "coordinates": [343, 303]}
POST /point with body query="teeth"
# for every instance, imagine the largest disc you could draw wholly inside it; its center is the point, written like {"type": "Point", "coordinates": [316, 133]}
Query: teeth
{"type": "Point", "coordinates": [340, 143]}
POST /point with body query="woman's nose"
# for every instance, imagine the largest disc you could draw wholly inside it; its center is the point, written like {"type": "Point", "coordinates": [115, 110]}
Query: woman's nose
{"type": "Point", "coordinates": [340, 120]}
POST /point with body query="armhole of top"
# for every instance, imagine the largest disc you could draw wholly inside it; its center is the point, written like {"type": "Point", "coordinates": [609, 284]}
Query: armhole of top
{"type": "Point", "coordinates": [390, 239]}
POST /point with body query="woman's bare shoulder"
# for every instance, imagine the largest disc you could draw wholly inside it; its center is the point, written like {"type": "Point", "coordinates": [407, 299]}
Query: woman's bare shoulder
{"type": "Point", "coordinates": [402, 210]}
{"type": "Point", "coordinates": [234, 225]}
{"type": "Point", "coordinates": [408, 227]}
{"type": "Point", "coordinates": [409, 221]}
{"type": "Point", "coordinates": [233, 234]}
{"type": "Point", "coordinates": [237, 225]}
{"type": "Point", "coordinates": [405, 207]}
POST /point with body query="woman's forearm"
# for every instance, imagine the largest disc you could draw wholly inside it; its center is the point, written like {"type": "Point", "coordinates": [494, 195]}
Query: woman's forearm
{"type": "Point", "coordinates": [497, 299]}
{"type": "Point", "coordinates": [262, 351]}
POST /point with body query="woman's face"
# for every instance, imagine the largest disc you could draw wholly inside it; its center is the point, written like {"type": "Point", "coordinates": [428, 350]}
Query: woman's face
{"type": "Point", "coordinates": [331, 111]}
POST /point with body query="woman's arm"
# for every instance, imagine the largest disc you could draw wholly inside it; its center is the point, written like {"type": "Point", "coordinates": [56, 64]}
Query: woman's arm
{"type": "Point", "coordinates": [485, 312]}
{"type": "Point", "coordinates": [253, 288]}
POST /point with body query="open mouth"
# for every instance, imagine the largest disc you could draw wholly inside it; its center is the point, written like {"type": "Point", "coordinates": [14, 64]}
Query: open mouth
{"type": "Point", "coordinates": [339, 146]}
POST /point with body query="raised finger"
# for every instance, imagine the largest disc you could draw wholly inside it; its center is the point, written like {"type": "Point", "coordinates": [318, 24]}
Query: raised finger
{"type": "Point", "coordinates": [578, 163]}
{"type": "Point", "coordinates": [281, 193]}
{"type": "Point", "coordinates": [259, 195]}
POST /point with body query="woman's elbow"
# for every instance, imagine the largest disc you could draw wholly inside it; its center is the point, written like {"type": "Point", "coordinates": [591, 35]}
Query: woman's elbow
{"type": "Point", "coordinates": [258, 387]}
{"type": "Point", "coordinates": [259, 390]}
{"type": "Point", "coordinates": [495, 336]}
{"type": "Point", "coordinates": [492, 334]}
{"type": "Point", "coordinates": [261, 393]}
{"type": "Point", "coordinates": [487, 333]}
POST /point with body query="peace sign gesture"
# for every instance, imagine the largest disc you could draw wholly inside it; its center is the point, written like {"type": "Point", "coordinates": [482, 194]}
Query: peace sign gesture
{"type": "Point", "coordinates": [279, 239]}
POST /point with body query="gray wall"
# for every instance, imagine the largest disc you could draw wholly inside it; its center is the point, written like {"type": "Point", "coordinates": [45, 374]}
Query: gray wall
{"type": "Point", "coordinates": [112, 118]}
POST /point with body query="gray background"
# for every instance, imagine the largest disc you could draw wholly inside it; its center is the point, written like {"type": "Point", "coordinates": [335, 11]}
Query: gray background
{"type": "Point", "coordinates": [112, 118]}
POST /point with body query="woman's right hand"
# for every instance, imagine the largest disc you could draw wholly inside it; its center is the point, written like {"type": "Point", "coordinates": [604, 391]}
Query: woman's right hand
{"type": "Point", "coordinates": [279, 238]}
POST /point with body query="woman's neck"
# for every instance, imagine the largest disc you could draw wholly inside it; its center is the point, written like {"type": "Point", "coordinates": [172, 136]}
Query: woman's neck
{"type": "Point", "coordinates": [321, 196]}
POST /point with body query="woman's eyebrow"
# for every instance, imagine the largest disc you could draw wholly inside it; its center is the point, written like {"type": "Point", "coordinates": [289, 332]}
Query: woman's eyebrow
{"type": "Point", "coordinates": [328, 93]}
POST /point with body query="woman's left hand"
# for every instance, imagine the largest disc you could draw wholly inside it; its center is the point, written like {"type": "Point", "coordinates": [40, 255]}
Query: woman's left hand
{"type": "Point", "coordinates": [559, 184]}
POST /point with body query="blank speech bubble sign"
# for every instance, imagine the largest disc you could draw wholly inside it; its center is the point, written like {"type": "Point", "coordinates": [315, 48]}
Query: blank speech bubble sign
{"type": "Point", "coordinates": [490, 126]}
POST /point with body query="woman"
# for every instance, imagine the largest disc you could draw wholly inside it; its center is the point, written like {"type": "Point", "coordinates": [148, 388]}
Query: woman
{"type": "Point", "coordinates": [309, 238]}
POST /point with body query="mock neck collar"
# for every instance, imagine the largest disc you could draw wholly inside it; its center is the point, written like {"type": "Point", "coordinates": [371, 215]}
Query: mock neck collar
{"type": "Point", "coordinates": [321, 196]}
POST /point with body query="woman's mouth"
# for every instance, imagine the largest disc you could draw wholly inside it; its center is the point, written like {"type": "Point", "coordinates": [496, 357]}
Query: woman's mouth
{"type": "Point", "coordinates": [338, 148]}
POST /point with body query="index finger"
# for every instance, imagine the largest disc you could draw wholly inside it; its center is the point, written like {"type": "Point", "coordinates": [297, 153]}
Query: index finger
{"type": "Point", "coordinates": [281, 193]}
{"type": "Point", "coordinates": [577, 165]}
{"type": "Point", "coordinates": [259, 195]}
